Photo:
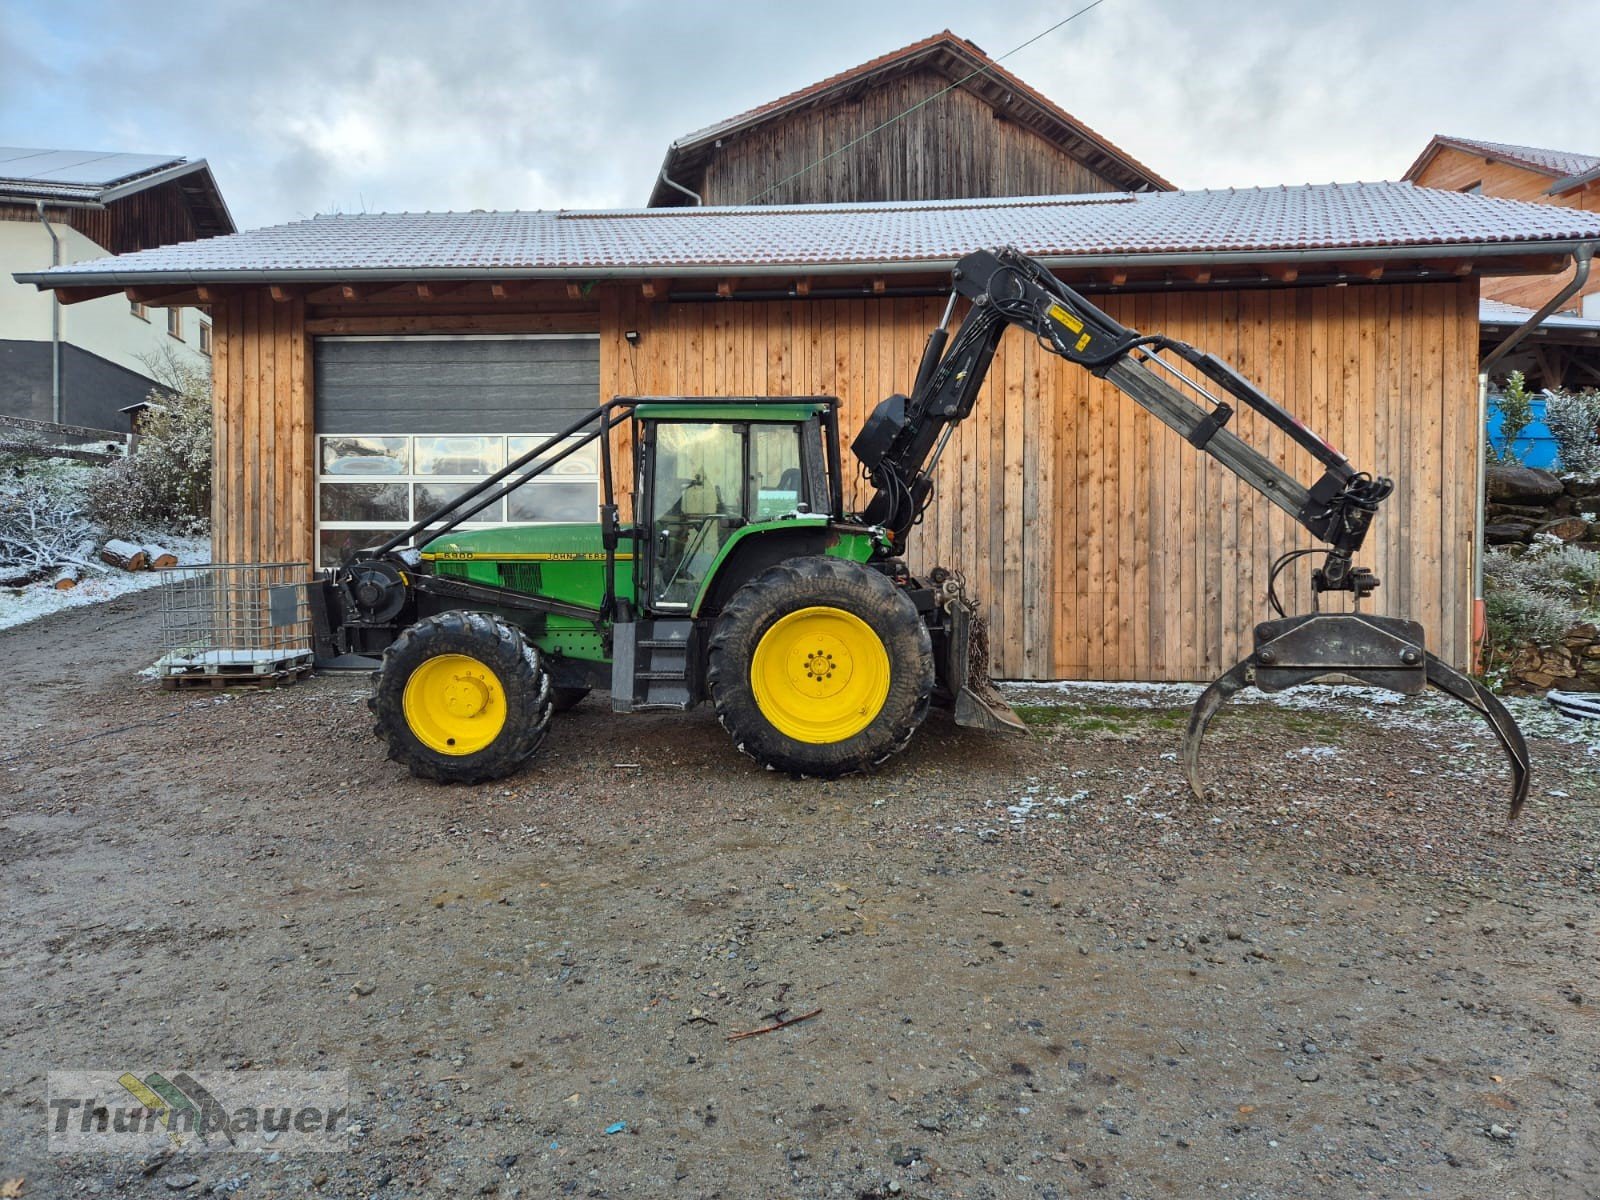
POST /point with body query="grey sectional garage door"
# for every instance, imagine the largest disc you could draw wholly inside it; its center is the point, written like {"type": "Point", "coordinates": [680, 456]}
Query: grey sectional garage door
{"type": "Point", "coordinates": [469, 384]}
{"type": "Point", "coordinates": [405, 425]}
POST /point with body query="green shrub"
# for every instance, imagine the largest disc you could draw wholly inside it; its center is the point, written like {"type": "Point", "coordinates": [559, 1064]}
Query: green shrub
{"type": "Point", "coordinates": [167, 481]}
{"type": "Point", "coordinates": [1574, 419]}
{"type": "Point", "coordinates": [1518, 615]}
{"type": "Point", "coordinates": [1516, 413]}
{"type": "Point", "coordinates": [1570, 571]}
{"type": "Point", "coordinates": [1538, 595]}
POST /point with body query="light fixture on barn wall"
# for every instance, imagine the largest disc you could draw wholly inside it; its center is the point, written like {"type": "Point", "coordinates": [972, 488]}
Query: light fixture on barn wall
{"type": "Point", "coordinates": [631, 336]}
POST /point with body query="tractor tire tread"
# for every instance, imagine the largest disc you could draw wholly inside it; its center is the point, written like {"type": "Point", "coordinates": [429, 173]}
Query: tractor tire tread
{"type": "Point", "coordinates": [800, 583]}
{"type": "Point", "coordinates": [530, 697]}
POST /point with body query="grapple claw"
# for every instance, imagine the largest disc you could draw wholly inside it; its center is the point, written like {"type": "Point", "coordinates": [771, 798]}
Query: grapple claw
{"type": "Point", "coordinates": [1474, 695]}
{"type": "Point", "coordinates": [1211, 700]}
{"type": "Point", "coordinates": [1381, 652]}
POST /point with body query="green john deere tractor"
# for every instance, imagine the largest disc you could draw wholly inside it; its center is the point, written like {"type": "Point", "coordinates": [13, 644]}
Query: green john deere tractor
{"type": "Point", "coordinates": [742, 578]}
{"type": "Point", "coordinates": [735, 582]}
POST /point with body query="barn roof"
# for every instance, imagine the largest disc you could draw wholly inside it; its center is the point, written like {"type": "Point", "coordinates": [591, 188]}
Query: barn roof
{"type": "Point", "coordinates": [1310, 222]}
{"type": "Point", "coordinates": [1497, 312]}
{"type": "Point", "coordinates": [1567, 167]}
{"type": "Point", "coordinates": [960, 61]}
{"type": "Point", "coordinates": [100, 177]}
{"type": "Point", "coordinates": [103, 176]}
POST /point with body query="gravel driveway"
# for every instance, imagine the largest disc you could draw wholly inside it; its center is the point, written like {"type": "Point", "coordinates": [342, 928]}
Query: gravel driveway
{"type": "Point", "coordinates": [1041, 969]}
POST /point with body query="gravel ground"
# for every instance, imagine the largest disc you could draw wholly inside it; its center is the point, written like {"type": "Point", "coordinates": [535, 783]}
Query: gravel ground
{"type": "Point", "coordinates": [1042, 969]}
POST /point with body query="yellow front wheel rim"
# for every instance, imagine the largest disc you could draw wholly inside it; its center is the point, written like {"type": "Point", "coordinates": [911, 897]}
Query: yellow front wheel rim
{"type": "Point", "coordinates": [455, 704]}
{"type": "Point", "coordinates": [820, 675]}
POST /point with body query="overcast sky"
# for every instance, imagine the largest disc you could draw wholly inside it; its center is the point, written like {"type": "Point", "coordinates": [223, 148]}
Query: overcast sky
{"type": "Point", "coordinates": [347, 106]}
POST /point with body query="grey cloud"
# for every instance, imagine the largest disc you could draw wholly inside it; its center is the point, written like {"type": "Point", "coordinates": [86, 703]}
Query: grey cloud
{"type": "Point", "coordinates": [306, 107]}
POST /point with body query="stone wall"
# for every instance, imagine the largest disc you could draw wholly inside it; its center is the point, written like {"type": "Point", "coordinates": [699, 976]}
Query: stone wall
{"type": "Point", "coordinates": [1573, 666]}
{"type": "Point", "coordinates": [1524, 502]}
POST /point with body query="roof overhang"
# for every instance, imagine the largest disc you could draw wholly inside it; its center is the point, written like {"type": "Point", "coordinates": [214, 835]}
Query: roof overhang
{"type": "Point", "coordinates": [200, 193]}
{"type": "Point", "coordinates": [1573, 182]}
{"type": "Point", "coordinates": [1475, 252]}
{"type": "Point", "coordinates": [1488, 153]}
{"type": "Point", "coordinates": [1572, 332]}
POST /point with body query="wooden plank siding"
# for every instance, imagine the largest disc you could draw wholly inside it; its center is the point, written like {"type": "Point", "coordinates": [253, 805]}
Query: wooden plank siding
{"type": "Point", "coordinates": [955, 146]}
{"type": "Point", "coordinates": [1102, 544]}
{"type": "Point", "coordinates": [158, 216]}
{"type": "Point", "coordinates": [262, 489]}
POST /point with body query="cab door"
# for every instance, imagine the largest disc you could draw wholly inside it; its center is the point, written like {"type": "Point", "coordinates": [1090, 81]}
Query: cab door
{"type": "Point", "coordinates": [694, 485]}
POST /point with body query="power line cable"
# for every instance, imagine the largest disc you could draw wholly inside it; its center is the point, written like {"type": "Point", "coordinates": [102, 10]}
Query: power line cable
{"type": "Point", "coordinates": [921, 104]}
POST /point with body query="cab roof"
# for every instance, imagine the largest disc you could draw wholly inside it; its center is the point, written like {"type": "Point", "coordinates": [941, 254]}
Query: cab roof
{"type": "Point", "coordinates": [787, 409]}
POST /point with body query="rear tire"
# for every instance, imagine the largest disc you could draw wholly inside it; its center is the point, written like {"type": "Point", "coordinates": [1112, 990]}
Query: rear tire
{"type": "Point", "coordinates": [820, 666]}
{"type": "Point", "coordinates": [462, 697]}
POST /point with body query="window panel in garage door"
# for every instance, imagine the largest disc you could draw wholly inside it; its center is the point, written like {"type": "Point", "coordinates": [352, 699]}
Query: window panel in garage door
{"type": "Point", "coordinates": [406, 425]}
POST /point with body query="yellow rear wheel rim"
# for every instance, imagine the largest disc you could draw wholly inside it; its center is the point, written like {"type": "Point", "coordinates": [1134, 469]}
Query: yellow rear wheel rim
{"type": "Point", "coordinates": [455, 704]}
{"type": "Point", "coordinates": [820, 675]}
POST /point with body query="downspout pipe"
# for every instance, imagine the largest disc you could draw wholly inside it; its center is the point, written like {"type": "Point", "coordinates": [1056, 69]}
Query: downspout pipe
{"type": "Point", "coordinates": [1582, 258]}
{"type": "Point", "coordinates": [678, 187]}
{"type": "Point", "coordinates": [55, 319]}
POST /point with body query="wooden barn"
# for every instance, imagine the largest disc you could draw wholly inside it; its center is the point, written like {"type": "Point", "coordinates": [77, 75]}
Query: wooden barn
{"type": "Point", "coordinates": [1564, 351]}
{"type": "Point", "coordinates": [966, 127]}
{"type": "Point", "coordinates": [369, 366]}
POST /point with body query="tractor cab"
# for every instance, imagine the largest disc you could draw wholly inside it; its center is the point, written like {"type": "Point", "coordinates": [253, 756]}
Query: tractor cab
{"type": "Point", "coordinates": [723, 489]}
{"type": "Point", "coordinates": [707, 473]}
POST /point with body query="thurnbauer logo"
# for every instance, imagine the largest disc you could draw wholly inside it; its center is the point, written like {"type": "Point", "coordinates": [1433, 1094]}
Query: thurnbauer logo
{"type": "Point", "coordinates": [242, 1111]}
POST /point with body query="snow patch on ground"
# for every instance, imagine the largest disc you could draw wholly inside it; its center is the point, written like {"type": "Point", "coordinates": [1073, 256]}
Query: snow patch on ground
{"type": "Point", "coordinates": [1431, 710]}
{"type": "Point", "coordinates": [1171, 695]}
{"type": "Point", "coordinates": [1036, 797]}
{"type": "Point", "coordinates": [21, 605]}
{"type": "Point", "coordinates": [1155, 695]}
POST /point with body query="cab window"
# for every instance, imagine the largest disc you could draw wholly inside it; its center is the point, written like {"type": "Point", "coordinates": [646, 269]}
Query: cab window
{"type": "Point", "coordinates": [777, 482]}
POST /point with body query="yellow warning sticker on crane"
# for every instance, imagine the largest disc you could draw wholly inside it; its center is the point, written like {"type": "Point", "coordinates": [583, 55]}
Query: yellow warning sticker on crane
{"type": "Point", "coordinates": [1062, 317]}
{"type": "Point", "coordinates": [1072, 321]}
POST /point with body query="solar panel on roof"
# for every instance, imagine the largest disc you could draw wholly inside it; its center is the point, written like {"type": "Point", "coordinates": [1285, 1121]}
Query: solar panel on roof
{"type": "Point", "coordinates": [77, 168]}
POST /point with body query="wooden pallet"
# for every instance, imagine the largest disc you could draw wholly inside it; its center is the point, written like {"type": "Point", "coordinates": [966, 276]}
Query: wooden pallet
{"type": "Point", "coordinates": [251, 679]}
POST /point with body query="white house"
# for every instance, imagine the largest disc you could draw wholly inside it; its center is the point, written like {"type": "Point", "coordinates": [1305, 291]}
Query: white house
{"type": "Point", "coordinates": [79, 364]}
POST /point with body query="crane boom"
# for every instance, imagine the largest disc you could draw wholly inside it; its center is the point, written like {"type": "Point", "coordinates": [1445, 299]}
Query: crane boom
{"type": "Point", "coordinates": [900, 442]}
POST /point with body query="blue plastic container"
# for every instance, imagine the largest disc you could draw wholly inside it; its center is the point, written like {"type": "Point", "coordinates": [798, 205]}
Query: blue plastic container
{"type": "Point", "coordinates": [1535, 448]}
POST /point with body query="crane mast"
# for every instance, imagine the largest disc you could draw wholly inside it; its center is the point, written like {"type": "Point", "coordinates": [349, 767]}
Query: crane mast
{"type": "Point", "coordinates": [900, 443]}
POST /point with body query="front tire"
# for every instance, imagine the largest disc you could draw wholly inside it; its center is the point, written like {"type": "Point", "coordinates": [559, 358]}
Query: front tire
{"type": "Point", "coordinates": [820, 666]}
{"type": "Point", "coordinates": [462, 697]}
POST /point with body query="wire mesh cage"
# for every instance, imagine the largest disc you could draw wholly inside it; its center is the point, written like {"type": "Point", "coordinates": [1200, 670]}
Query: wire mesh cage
{"type": "Point", "coordinates": [242, 621]}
